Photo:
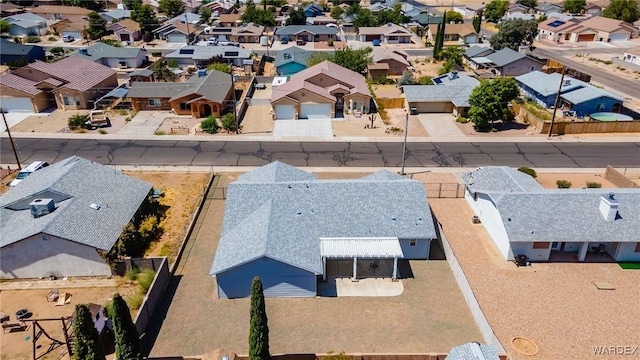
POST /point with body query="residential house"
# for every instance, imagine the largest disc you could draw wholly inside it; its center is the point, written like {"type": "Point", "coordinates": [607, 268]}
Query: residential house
{"type": "Point", "coordinates": [229, 20]}
{"type": "Point", "coordinates": [592, 9]}
{"type": "Point", "coordinates": [221, 6]}
{"type": "Point", "coordinates": [26, 24]}
{"type": "Point", "coordinates": [309, 33]}
{"type": "Point", "coordinates": [38, 240]}
{"type": "Point", "coordinates": [202, 95]}
{"type": "Point", "coordinates": [475, 51]}
{"type": "Point", "coordinates": [291, 60]}
{"type": "Point", "coordinates": [73, 25]}
{"type": "Point", "coordinates": [596, 28]}
{"type": "Point", "coordinates": [425, 19]}
{"type": "Point", "coordinates": [504, 62]}
{"type": "Point", "coordinates": [522, 218]}
{"type": "Point", "coordinates": [470, 10]}
{"type": "Point", "coordinates": [143, 75]}
{"type": "Point", "coordinates": [113, 57]}
{"type": "Point", "coordinates": [244, 33]}
{"type": "Point", "coordinates": [174, 32]}
{"type": "Point", "coordinates": [545, 8]}
{"type": "Point", "coordinates": [321, 20]}
{"type": "Point", "coordinates": [113, 16]}
{"type": "Point", "coordinates": [187, 17]}
{"type": "Point", "coordinates": [58, 12]}
{"type": "Point", "coordinates": [291, 230]}
{"type": "Point", "coordinates": [12, 53]}
{"type": "Point", "coordinates": [97, 316]}
{"type": "Point", "coordinates": [312, 10]}
{"type": "Point", "coordinates": [389, 33]}
{"type": "Point", "coordinates": [517, 8]}
{"type": "Point", "coordinates": [8, 9]}
{"type": "Point", "coordinates": [463, 33]}
{"type": "Point", "coordinates": [323, 90]}
{"type": "Point", "coordinates": [555, 29]}
{"type": "Point", "coordinates": [387, 62]}
{"type": "Point", "coordinates": [575, 95]}
{"type": "Point", "coordinates": [126, 30]}
{"type": "Point", "coordinates": [71, 83]}
{"type": "Point", "coordinates": [518, 15]}
{"type": "Point", "coordinates": [450, 94]}
{"type": "Point", "coordinates": [201, 56]}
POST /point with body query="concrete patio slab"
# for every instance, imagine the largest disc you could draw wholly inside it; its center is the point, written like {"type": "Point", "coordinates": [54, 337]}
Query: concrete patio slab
{"type": "Point", "coordinates": [440, 125]}
{"type": "Point", "coordinates": [318, 128]}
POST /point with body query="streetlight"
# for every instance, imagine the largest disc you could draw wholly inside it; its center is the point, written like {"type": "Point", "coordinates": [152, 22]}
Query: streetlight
{"type": "Point", "coordinates": [404, 143]}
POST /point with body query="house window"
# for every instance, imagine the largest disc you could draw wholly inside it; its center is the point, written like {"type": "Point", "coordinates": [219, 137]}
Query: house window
{"type": "Point", "coordinates": [45, 237]}
{"type": "Point", "coordinates": [154, 102]}
{"type": "Point", "coordinates": [412, 242]}
{"type": "Point", "coordinates": [637, 247]}
{"type": "Point", "coordinates": [541, 245]}
{"type": "Point", "coordinates": [68, 100]}
{"type": "Point", "coordinates": [185, 106]}
{"type": "Point", "coordinates": [600, 107]}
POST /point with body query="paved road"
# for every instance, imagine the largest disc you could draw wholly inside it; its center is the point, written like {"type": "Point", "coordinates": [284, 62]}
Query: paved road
{"type": "Point", "coordinates": [327, 154]}
{"type": "Point", "coordinates": [617, 83]}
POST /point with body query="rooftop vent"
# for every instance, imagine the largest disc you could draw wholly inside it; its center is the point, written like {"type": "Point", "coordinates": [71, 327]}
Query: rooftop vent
{"type": "Point", "coordinates": [609, 207]}
{"type": "Point", "coordinates": [95, 206]}
{"type": "Point", "coordinates": [41, 207]}
{"type": "Point", "coordinates": [566, 83]}
{"type": "Point", "coordinates": [83, 51]}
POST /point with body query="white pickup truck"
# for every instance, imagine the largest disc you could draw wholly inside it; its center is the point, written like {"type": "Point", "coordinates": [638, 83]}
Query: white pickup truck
{"type": "Point", "coordinates": [97, 118]}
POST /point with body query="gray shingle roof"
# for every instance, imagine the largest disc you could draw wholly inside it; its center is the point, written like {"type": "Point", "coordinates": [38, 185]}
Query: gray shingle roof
{"type": "Point", "coordinates": [472, 351]}
{"type": "Point", "coordinates": [100, 51]}
{"type": "Point", "coordinates": [209, 52]}
{"type": "Point", "coordinates": [268, 215]}
{"type": "Point", "coordinates": [476, 50]}
{"type": "Point", "coordinates": [587, 94]}
{"type": "Point", "coordinates": [74, 184]}
{"type": "Point", "coordinates": [547, 84]}
{"type": "Point", "coordinates": [214, 87]}
{"type": "Point", "coordinates": [448, 88]}
{"type": "Point", "coordinates": [26, 20]}
{"type": "Point", "coordinates": [297, 55]}
{"type": "Point", "coordinates": [504, 56]}
{"type": "Point", "coordinates": [500, 178]}
{"type": "Point", "coordinates": [314, 29]}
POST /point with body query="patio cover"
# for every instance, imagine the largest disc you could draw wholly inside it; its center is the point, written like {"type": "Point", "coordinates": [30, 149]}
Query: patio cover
{"type": "Point", "coordinates": [369, 248]}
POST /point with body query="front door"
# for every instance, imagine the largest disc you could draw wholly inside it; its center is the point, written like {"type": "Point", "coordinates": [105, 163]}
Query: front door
{"type": "Point", "coordinates": [339, 108]}
{"type": "Point", "coordinates": [557, 245]}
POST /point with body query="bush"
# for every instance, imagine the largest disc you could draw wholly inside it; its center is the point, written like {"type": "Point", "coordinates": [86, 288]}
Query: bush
{"type": "Point", "coordinates": [112, 42]}
{"type": "Point", "coordinates": [33, 39]}
{"type": "Point", "coordinates": [425, 80]}
{"type": "Point", "coordinates": [77, 121]}
{"type": "Point", "coordinates": [147, 37]}
{"type": "Point", "coordinates": [462, 120]}
{"type": "Point", "coordinates": [52, 38]}
{"type": "Point", "coordinates": [494, 130]}
{"type": "Point", "coordinates": [122, 112]}
{"type": "Point", "coordinates": [145, 279]}
{"type": "Point", "coordinates": [17, 40]}
{"type": "Point", "coordinates": [135, 301]}
{"type": "Point", "coordinates": [563, 184]}
{"type": "Point", "coordinates": [210, 125]}
{"type": "Point", "coordinates": [102, 131]}
{"type": "Point", "coordinates": [528, 171]}
{"type": "Point", "coordinates": [156, 53]}
{"type": "Point", "coordinates": [160, 132]}
{"type": "Point", "coordinates": [593, 185]}
{"type": "Point", "coordinates": [132, 274]}
{"type": "Point", "coordinates": [57, 50]}
{"type": "Point", "coordinates": [228, 122]}
{"type": "Point", "coordinates": [330, 42]}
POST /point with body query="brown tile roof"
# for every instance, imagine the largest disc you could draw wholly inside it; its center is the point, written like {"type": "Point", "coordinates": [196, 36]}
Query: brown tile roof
{"type": "Point", "coordinates": [606, 24]}
{"type": "Point", "coordinates": [19, 83]}
{"type": "Point", "coordinates": [224, 18]}
{"type": "Point", "coordinates": [129, 25]}
{"type": "Point", "coordinates": [80, 74]}
{"type": "Point", "coordinates": [59, 9]}
{"type": "Point", "coordinates": [460, 29]}
{"type": "Point", "coordinates": [352, 79]}
{"type": "Point", "coordinates": [545, 25]}
{"type": "Point", "coordinates": [380, 54]}
{"type": "Point", "coordinates": [182, 27]}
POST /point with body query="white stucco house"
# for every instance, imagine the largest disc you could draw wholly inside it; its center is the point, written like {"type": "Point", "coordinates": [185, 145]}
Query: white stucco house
{"type": "Point", "coordinates": [545, 224]}
{"type": "Point", "coordinates": [61, 218]}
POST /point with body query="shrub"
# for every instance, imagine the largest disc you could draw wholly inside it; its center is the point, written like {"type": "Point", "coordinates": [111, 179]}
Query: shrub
{"type": "Point", "coordinates": [494, 130]}
{"type": "Point", "coordinates": [135, 301]}
{"type": "Point", "coordinates": [528, 171]}
{"type": "Point", "coordinates": [210, 125]}
{"type": "Point", "coordinates": [112, 42]}
{"type": "Point", "coordinates": [593, 185]}
{"type": "Point", "coordinates": [160, 132]}
{"type": "Point", "coordinates": [145, 279]}
{"type": "Point", "coordinates": [122, 112]}
{"type": "Point", "coordinates": [156, 53]}
{"type": "Point", "coordinates": [462, 120]}
{"type": "Point", "coordinates": [127, 119]}
{"type": "Point", "coordinates": [133, 274]}
{"type": "Point", "coordinates": [17, 40]}
{"type": "Point", "coordinates": [425, 80]}
{"type": "Point", "coordinates": [102, 131]}
{"type": "Point", "coordinates": [52, 38]}
{"type": "Point", "coordinates": [77, 121]}
{"type": "Point", "coordinates": [330, 42]}
{"type": "Point", "coordinates": [33, 39]}
{"type": "Point", "coordinates": [57, 50]}
{"type": "Point", "coordinates": [563, 184]}
{"type": "Point", "coordinates": [228, 122]}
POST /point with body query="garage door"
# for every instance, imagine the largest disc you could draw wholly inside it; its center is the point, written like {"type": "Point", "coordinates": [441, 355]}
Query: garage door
{"type": "Point", "coordinates": [285, 112]}
{"type": "Point", "coordinates": [436, 107]}
{"type": "Point", "coordinates": [76, 34]}
{"type": "Point", "coordinates": [315, 110]}
{"type": "Point", "coordinates": [619, 37]}
{"type": "Point", "coordinates": [586, 37]}
{"type": "Point", "coordinates": [13, 104]}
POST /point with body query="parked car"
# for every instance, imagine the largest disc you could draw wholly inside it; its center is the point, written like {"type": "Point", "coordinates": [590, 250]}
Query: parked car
{"type": "Point", "coordinates": [300, 41]}
{"type": "Point", "coordinates": [212, 41]}
{"type": "Point", "coordinates": [284, 40]}
{"type": "Point", "coordinates": [33, 167]}
{"type": "Point", "coordinates": [97, 118]}
{"type": "Point", "coordinates": [68, 38]}
{"type": "Point", "coordinates": [375, 42]}
{"type": "Point", "coordinates": [260, 86]}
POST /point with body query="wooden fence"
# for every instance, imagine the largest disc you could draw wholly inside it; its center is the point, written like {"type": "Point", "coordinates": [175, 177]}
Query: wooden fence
{"type": "Point", "coordinates": [618, 179]}
{"type": "Point", "coordinates": [390, 103]}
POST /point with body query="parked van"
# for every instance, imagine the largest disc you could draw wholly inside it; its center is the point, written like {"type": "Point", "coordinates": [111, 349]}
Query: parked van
{"type": "Point", "coordinates": [34, 166]}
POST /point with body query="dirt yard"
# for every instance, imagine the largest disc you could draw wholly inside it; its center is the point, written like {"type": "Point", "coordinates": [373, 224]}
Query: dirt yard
{"type": "Point", "coordinates": [425, 66]}
{"type": "Point", "coordinates": [548, 180]}
{"type": "Point", "coordinates": [18, 345]}
{"type": "Point", "coordinates": [57, 121]}
{"type": "Point", "coordinates": [182, 125]}
{"type": "Point", "coordinates": [182, 194]}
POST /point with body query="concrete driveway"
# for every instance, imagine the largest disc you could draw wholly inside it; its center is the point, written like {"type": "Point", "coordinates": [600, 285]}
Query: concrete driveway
{"type": "Point", "coordinates": [440, 124]}
{"type": "Point", "coordinates": [317, 128]}
{"type": "Point", "coordinates": [14, 118]}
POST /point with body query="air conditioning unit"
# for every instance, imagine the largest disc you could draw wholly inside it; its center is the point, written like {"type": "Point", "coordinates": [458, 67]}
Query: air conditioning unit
{"type": "Point", "coordinates": [475, 219]}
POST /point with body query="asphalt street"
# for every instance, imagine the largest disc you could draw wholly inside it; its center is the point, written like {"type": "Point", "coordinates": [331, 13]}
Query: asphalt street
{"type": "Point", "coordinates": [553, 154]}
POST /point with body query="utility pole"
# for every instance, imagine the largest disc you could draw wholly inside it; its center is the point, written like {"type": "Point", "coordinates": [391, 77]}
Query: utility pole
{"type": "Point", "coordinates": [233, 89]}
{"type": "Point", "coordinates": [555, 107]}
{"type": "Point", "coordinates": [13, 145]}
{"type": "Point", "coordinates": [404, 143]}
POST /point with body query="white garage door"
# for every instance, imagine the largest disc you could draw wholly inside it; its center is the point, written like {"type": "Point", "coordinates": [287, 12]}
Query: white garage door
{"type": "Point", "coordinates": [435, 107]}
{"type": "Point", "coordinates": [285, 112]}
{"type": "Point", "coordinates": [76, 34]}
{"type": "Point", "coordinates": [13, 104]}
{"type": "Point", "coordinates": [619, 37]}
{"type": "Point", "coordinates": [315, 110]}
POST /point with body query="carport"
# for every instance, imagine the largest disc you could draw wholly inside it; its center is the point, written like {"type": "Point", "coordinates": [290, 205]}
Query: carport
{"type": "Point", "coordinates": [360, 248]}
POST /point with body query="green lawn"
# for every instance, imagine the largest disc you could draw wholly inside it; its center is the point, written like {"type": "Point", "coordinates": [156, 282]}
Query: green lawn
{"type": "Point", "coordinates": [630, 265]}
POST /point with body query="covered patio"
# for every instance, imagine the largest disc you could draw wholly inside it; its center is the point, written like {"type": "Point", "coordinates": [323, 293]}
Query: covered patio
{"type": "Point", "coordinates": [367, 256]}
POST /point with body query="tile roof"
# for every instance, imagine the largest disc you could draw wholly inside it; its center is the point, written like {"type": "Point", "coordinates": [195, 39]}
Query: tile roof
{"type": "Point", "coordinates": [460, 29]}
{"type": "Point", "coordinates": [290, 30]}
{"type": "Point", "coordinates": [605, 24]}
{"type": "Point", "coordinates": [586, 94]}
{"type": "Point", "coordinates": [380, 54]}
{"type": "Point", "coordinates": [101, 50]}
{"type": "Point", "coordinates": [214, 87]}
{"type": "Point", "coordinates": [80, 74]}
{"type": "Point", "coordinates": [59, 9]}
{"type": "Point", "coordinates": [74, 184]}
{"type": "Point", "coordinates": [224, 18]}
{"type": "Point", "coordinates": [284, 218]}
{"type": "Point", "coordinates": [352, 79]}
{"type": "Point", "coordinates": [19, 83]}
{"type": "Point", "coordinates": [129, 25]}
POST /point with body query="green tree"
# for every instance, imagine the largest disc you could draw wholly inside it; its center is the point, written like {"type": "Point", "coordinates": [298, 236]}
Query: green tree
{"type": "Point", "coordinates": [625, 10]}
{"type": "Point", "coordinates": [365, 18]}
{"type": "Point", "coordinates": [489, 101]}
{"type": "Point", "coordinates": [495, 10]}
{"type": "Point", "coordinates": [4, 26]}
{"type": "Point", "coordinates": [515, 33]}
{"type": "Point", "coordinates": [453, 54]}
{"type": "Point", "coordinates": [317, 57]}
{"type": "Point", "coordinates": [205, 14]}
{"type": "Point", "coordinates": [355, 60]}
{"type": "Point", "coordinates": [477, 21]}
{"type": "Point", "coordinates": [171, 8]}
{"type": "Point", "coordinates": [88, 344]}
{"type": "Point", "coordinates": [145, 16]}
{"type": "Point", "coordinates": [454, 16]}
{"type": "Point", "coordinates": [219, 67]}
{"type": "Point", "coordinates": [161, 71]}
{"type": "Point", "coordinates": [228, 122]}
{"type": "Point", "coordinates": [439, 42]}
{"type": "Point", "coordinates": [542, 18]}
{"type": "Point", "coordinates": [336, 11]}
{"type": "Point", "coordinates": [210, 125]}
{"type": "Point", "coordinates": [258, 16]}
{"type": "Point", "coordinates": [132, 4]}
{"type": "Point", "coordinates": [77, 121]}
{"type": "Point", "coordinates": [297, 17]}
{"type": "Point", "coordinates": [528, 3]}
{"type": "Point", "coordinates": [258, 327]}
{"type": "Point", "coordinates": [127, 338]}
{"type": "Point", "coordinates": [574, 6]}
{"type": "Point", "coordinates": [97, 26]}
{"type": "Point", "coordinates": [406, 79]}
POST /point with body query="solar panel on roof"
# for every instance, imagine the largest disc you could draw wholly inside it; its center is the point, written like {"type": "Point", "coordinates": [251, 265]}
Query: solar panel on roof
{"type": "Point", "coordinates": [186, 51]}
{"type": "Point", "coordinates": [556, 23]}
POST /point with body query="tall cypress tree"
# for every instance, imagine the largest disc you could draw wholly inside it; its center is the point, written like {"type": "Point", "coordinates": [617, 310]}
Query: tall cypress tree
{"type": "Point", "coordinates": [127, 339]}
{"type": "Point", "coordinates": [437, 50]}
{"type": "Point", "coordinates": [88, 345]}
{"type": "Point", "coordinates": [476, 23]}
{"type": "Point", "coordinates": [258, 328]}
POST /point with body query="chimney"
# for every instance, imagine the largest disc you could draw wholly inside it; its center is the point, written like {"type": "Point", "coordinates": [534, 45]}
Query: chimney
{"type": "Point", "coordinates": [41, 207]}
{"type": "Point", "coordinates": [609, 207]}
